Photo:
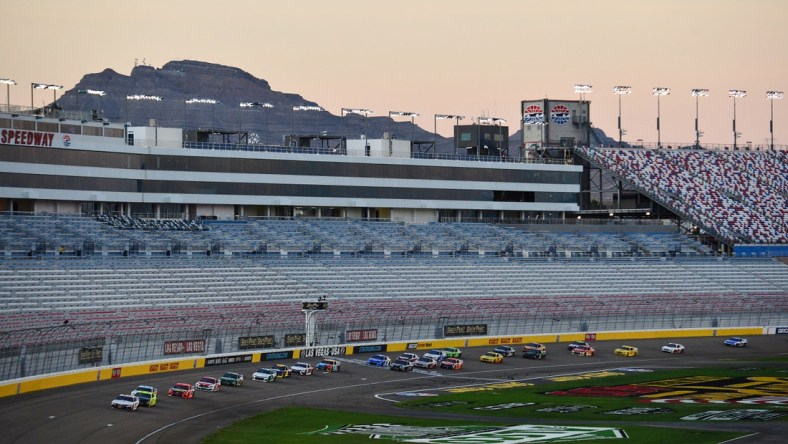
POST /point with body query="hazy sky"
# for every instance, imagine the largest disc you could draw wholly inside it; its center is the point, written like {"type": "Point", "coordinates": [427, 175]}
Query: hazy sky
{"type": "Point", "coordinates": [438, 56]}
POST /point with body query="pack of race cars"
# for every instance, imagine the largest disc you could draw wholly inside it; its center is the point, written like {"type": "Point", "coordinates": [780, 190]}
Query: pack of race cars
{"type": "Point", "coordinates": [445, 358]}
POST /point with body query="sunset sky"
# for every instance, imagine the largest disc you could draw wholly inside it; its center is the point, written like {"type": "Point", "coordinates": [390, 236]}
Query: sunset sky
{"type": "Point", "coordinates": [464, 57]}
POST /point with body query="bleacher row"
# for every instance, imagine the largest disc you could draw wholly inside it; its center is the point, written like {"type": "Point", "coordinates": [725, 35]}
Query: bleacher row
{"type": "Point", "coordinates": [123, 295]}
{"type": "Point", "coordinates": [26, 235]}
{"type": "Point", "coordinates": [741, 196]}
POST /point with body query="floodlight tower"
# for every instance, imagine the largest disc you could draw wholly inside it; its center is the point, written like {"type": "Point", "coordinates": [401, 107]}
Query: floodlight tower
{"type": "Point", "coordinates": [734, 93]}
{"type": "Point", "coordinates": [149, 98]}
{"type": "Point", "coordinates": [659, 91]}
{"type": "Point", "coordinates": [91, 92]}
{"type": "Point", "coordinates": [7, 83]}
{"type": "Point", "coordinates": [456, 117]}
{"type": "Point", "coordinates": [410, 114]}
{"type": "Point", "coordinates": [583, 90]}
{"type": "Point", "coordinates": [698, 92]}
{"type": "Point", "coordinates": [620, 91]}
{"type": "Point", "coordinates": [211, 102]}
{"type": "Point", "coordinates": [54, 89]}
{"type": "Point", "coordinates": [492, 121]}
{"type": "Point", "coordinates": [360, 111]}
{"type": "Point", "coordinates": [771, 95]}
{"type": "Point", "coordinates": [262, 105]}
{"type": "Point", "coordinates": [302, 108]}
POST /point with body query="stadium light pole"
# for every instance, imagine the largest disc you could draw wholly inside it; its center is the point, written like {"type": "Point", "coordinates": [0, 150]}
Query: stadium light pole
{"type": "Point", "coordinates": [492, 121]}
{"type": "Point", "coordinates": [301, 108]}
{"type": "Point", "coordinates": [34, 86]}
{"type": "Point", "coordinates": [212, 102]}
{"type": "Point", "coordinates": [412, 116]}
{"type": "Point", "coordinates": [261, 105]}
{"type": "Point", "coordinates": [360, 111]}
{"type": "Point", "coordinates": [456, 117]}
{"type": "Point", "coordinates": [734, 93]}
{"type": "Point", "coordinates": [150, 98]}
{"type": "Point", "coordinates": [659, 91]}
{"type": "Point", "coordinates": [583, 90]}
{"type": "Point", "coordinates": [771, 95]}
{"type": "Point", "coordinates": [697, 93]}
{"type": "Point", "coordinates": [620, 91]}
{"type": "Point", "coordinates": [92, 92]}
{"type": "Point", "coordinates": [8, 83]}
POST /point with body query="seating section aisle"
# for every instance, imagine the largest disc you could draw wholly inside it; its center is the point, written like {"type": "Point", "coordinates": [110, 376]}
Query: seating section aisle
{"type": "Point", "coordinates": [741, 196]}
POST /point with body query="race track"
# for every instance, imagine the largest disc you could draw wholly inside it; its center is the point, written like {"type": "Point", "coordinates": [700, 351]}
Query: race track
{"type": "Point", "coordinates": [81, 414]}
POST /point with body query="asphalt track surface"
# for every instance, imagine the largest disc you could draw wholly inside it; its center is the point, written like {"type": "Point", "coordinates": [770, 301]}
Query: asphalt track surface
{"type": "Point", "coordinates": [81, 413]}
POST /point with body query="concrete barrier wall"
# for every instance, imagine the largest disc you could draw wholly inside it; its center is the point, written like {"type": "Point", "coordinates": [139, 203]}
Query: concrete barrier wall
{"type": "Point", "coordinates": [26, 385]}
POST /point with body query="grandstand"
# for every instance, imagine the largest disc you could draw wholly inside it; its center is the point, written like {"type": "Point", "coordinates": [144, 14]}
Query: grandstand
{"type": "Point", "coordinates": [122, 247]}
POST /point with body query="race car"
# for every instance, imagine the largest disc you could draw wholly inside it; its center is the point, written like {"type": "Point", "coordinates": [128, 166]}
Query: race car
{"type": "Point", "coordinates": [534, 353]}
{"type": "Point", "coordinates": [379, 361]}
{"type": "Point", "coordinates": [626, 350]}
{"type": "Point", "coordinates": [302, 368]}
{"type": "Point", "coordinates": [585, 350]}
{"type": "Point", "coordinates": [147, 395]}
{"type": "Point", "coordinates": [672, 347]}
{"type": "Point", "coordinates": [576, 344]}
{"type": "Point", "coordinates": [535, 346]}
{"type": "Point", "coordinates": [181, 390]}
{"type": "Point", "coordinates": [736, 342]}
{"type": "Point", "coordinates": [491, 358]}
{"type": "Point", "coordinates": [452, 352]}
{"type": "Point", "coordinates": [232, 378]}
{"type": "Point", "coordinates": [452, 363]}
{"type": "Point", "coordinates": [126, 402]}
{"type": "Point", "coordinates": [401, 366]}
{"type": "Point", "coordinates": [425, 362]}
{"type": "Point", "coordinates": [438, 355]}
{"type": "Point", "coordinates": [282, 371]}
{"type": "Point", "coordinates": [410, 357]}
{"type": "Point", "coordinates": [328, 365]}
{"type": "Point", "coordinates": [505, 350]}
{"type": "Point", "coordinates": [208, 383]}
{"type": "Point", "coordinates": [265, 375]}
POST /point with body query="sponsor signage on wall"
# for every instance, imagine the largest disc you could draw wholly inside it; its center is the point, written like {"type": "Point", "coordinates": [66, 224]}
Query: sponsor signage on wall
{"type": "Point", "coordinates": [782, 331]}
{"type": "Point", "coordinates": [295, 340]}
{"type": "Point", "coordinates": [369, 348]}
{"type": "Point", "coordinates": [235, 359]}
{"type": "Point", "coordinates": [322, 351]}
{"type": "Point", "coordinates": [361, 335]}
{"type": "Point", "coordinates": [183, 347]}
{"type": "Point", "coordinates": [250, 342]}
{"type": "Point", "coordinates": [465, 330]}
{"type": "Point", "coordinates": [90, 355]}
{"type": "Point", "coordinates": [276, 355]}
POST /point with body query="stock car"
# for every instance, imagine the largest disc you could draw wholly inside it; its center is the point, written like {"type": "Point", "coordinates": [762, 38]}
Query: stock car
{"type": "Point", "coordinates": [535, 346]}
{"type": "Point", "coordinates": [576, 344]}
{"type": "Point", "coordinates": [452, 363]}
{"type": "Point", "coordinates": [534, 353]}
{"type": "Point", "coordinates": [282, 371]}
{"type": "Point", "coordinates": [410, 357]}
{"type": "Point", "coordinates": [302, 368]}
{"type": "Point", "coordinates": [328, 365]}
{"type": "Point", "coordinates": [379, 361]}
{"type": "Point", "coordinates": [672, 347]}
{"type": "Point", "coordinates": [181, 390]}
{"type": "Point", "coordinates": [232, 378]}
{"type": "Point", "coordinates": [438, 355]}
{"type": "Point", "coordinates": [265, 375]}
{"type": "Point", "coordinates": [452, 352]}
{"type": "Point", "coordinates": [736, 342]}
{"type": "Point", "coordinates": [126, 402]}
{"type": "Point", "coordinates": [147, 394]}
{"type": "Point", "coordinates": [492, 358]}
{"type": "Point", "coordinates": [505, 350]}
{"type": "Point", "coordinates": [402, 366]}
{"type": "Point", "coordinates": [626, 350]}
{"type": "Point", "coordinates": [425, 362]}
{"type": "Point", "coordinates": [208, 383]}
{"type": "Point", "coordinates": [585, 350]}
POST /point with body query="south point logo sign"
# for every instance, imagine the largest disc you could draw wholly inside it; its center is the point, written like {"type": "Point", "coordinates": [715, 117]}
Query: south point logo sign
{"type": "Point", "coordinates": [533, 115]}
{"type": "Point", "coordinates": [559, 115]}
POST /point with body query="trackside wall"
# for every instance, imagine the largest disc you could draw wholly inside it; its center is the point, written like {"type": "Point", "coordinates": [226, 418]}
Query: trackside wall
{"type": "Point", "coordinates": [32, 384]}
